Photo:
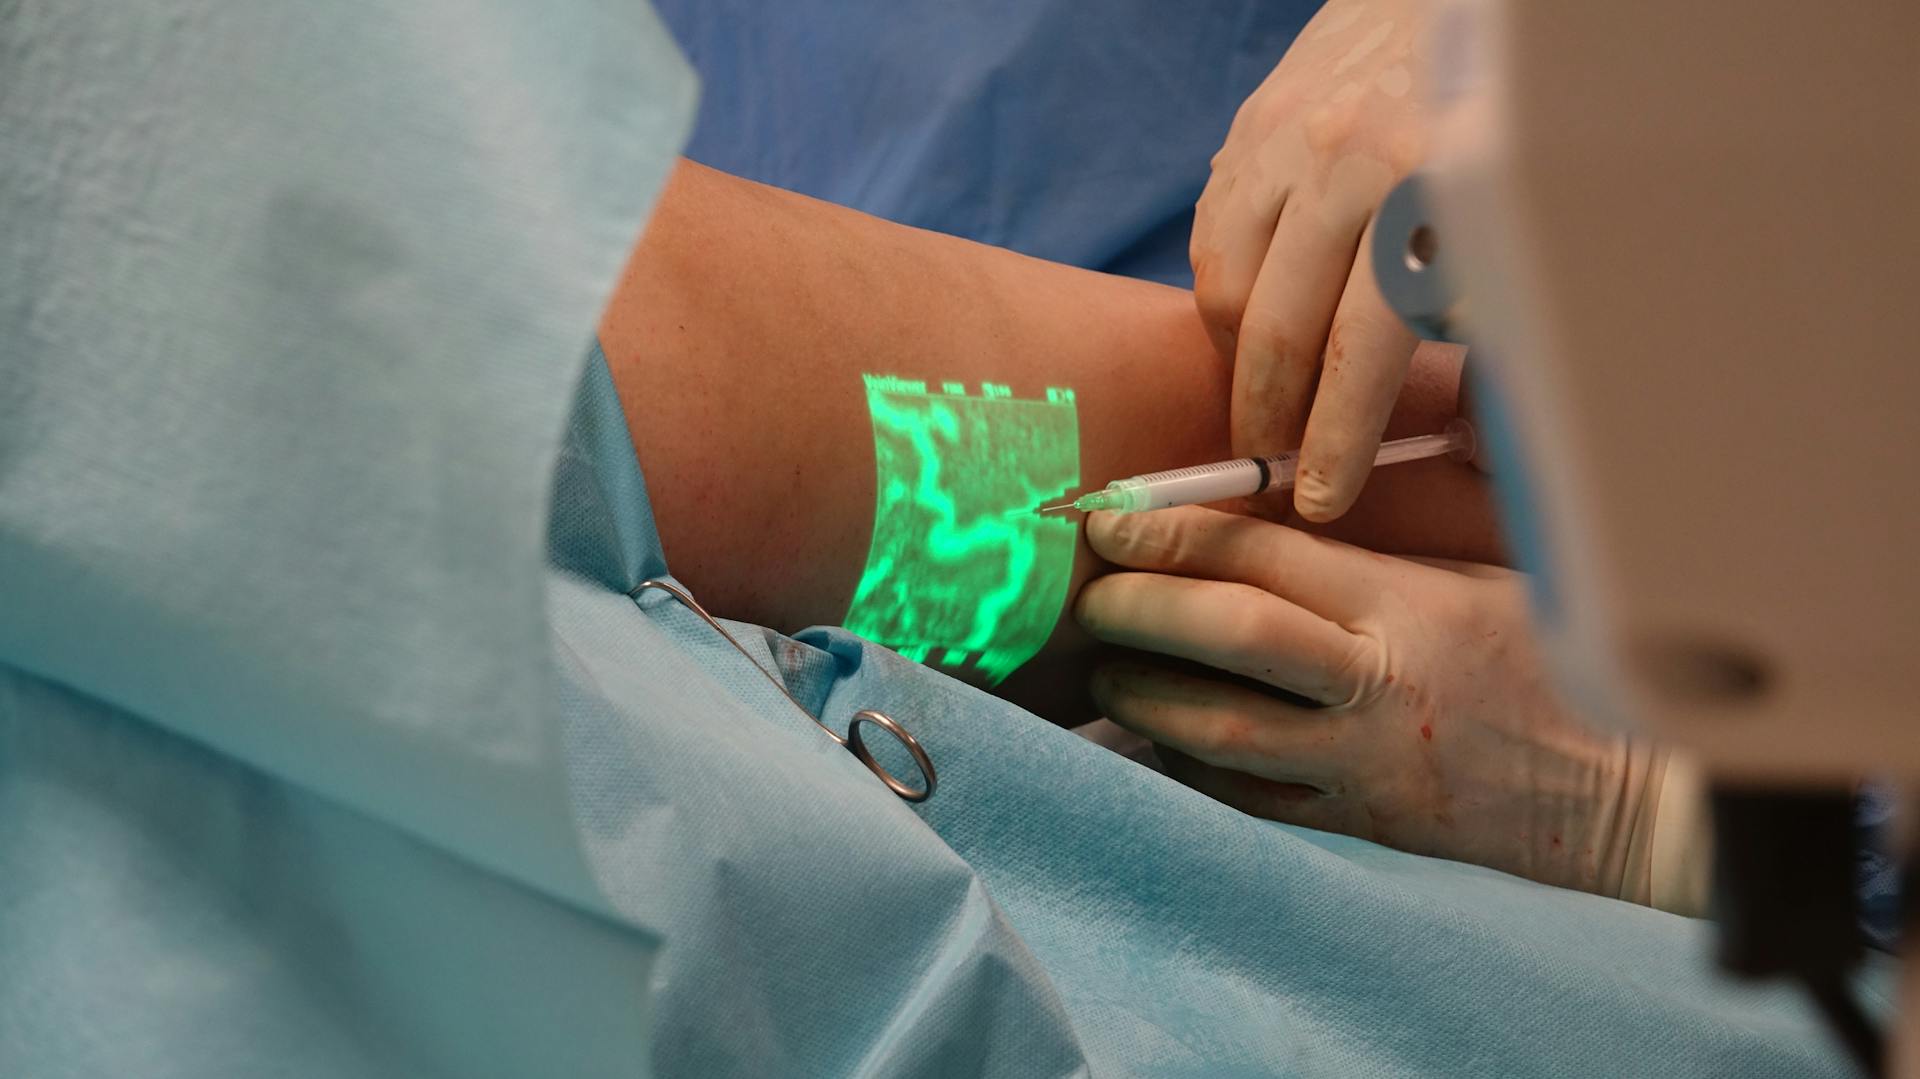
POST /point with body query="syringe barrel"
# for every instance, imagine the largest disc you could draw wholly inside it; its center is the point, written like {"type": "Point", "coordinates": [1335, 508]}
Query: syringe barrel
{"type": "Point", "coordinates": [1201, 484]}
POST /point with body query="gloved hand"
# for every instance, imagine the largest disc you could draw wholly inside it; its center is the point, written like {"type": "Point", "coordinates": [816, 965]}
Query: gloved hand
{"type": "Point", "coordinates": [1436, 732]}
{"type": "Point", "coordinates": [1280, 235]}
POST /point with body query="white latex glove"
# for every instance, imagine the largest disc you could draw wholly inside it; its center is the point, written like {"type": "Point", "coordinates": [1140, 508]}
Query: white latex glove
{"type": "Point", "coordinates": [1438, 733]}
{"type": "Point", "coordinates": [1280, 235]}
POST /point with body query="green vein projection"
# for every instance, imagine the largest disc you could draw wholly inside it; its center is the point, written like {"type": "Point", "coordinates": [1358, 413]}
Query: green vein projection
{"type": "Point", "coordinates": [961, 572]}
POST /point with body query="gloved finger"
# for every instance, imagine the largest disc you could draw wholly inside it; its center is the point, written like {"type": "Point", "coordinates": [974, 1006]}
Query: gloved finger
{"type": "Point", "coordinates": [1368, 352]}
{"type": "Point", "coordinates": [1236, 628]}
{"type": "Point", "coordinates": [1225, 724]}
{"type": "Point", "coordinates": [1232, 225]}
{"type": "Point", "coordinates": [1290, 803]}
{"type": "Point", "coordinates": [1325, 576]}
{"type": "Point", "coordinates": [1479, 570]}
{"type": "Point", "coordinates": [1284, 329]}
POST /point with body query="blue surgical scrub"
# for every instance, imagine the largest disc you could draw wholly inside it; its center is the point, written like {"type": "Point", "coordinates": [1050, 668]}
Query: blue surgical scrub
{"type": "Point", "coordinates": [1076, 132]}
{"type": "Point", "coordinates": [332, 742]}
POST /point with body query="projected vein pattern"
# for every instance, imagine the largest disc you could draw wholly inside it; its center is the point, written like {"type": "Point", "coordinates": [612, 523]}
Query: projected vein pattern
{"type": "Point", "coordinates": [961, 573]}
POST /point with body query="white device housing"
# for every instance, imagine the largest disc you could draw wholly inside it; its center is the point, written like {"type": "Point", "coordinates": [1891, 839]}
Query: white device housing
{"type": "Point", "coordinates": [1688, 236]}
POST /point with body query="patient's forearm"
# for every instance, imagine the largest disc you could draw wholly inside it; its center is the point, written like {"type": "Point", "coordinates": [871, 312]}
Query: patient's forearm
{"type": "Point", "coordinates": [742, 327]}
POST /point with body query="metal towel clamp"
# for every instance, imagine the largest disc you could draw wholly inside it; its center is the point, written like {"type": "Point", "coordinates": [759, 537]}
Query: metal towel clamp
{"type": "Point", "coordinates": [852, 741]}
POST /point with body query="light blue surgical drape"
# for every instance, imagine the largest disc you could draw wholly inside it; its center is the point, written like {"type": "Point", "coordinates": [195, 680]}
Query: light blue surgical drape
{"type": "Point", "coordinates": [330, 740]}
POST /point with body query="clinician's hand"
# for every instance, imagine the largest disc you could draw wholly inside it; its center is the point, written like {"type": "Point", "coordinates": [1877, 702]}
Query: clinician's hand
{"type": "Point", "coordinates": [1279, 240]}
{"type": "Point", "coordinates": [1436, 732]}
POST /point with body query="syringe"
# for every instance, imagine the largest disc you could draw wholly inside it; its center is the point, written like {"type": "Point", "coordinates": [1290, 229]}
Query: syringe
{"type": "Point", "coordinates": [1249, 475]}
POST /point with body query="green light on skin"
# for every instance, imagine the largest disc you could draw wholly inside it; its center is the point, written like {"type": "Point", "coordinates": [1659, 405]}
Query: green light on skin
{"type": "Point", "coordinates": [959, 566]}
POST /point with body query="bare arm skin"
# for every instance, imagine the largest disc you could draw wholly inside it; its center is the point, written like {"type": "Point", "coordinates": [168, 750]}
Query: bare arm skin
{"type": "Point", "coordinates": [742, 325]}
